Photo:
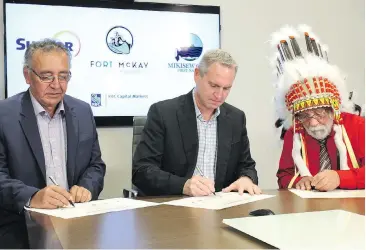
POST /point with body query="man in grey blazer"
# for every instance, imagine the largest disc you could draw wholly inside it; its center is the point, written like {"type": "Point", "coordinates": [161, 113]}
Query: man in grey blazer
{"type": "Point", "coordinates": [196, 144]}
{"type": "Point", "coordinates": [49, 149]}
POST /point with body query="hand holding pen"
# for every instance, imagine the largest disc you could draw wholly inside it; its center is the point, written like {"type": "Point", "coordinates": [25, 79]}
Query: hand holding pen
{"type": "Point", "coordinates": [210, 184]}
{"type": "Point", "coordinates": [199, 185]}
{"type": "Point", "coordinates": [51, 197]}
{"type": "Point", "coordinates": [55, 183]}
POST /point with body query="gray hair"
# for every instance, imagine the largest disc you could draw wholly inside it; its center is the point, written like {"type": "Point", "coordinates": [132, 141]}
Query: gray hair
{"type": "Point", "coordinates": [216, 56]}
{"type": "Point", "coordinates": [45, 45]}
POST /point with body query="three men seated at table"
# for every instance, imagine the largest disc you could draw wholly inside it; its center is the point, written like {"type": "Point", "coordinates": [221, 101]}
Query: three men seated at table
{"type": "Point", "coordinates": [195, 144]}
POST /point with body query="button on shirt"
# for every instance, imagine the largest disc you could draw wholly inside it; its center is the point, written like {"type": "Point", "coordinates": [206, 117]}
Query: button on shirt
{"type": "Point", "coordinates": [54, 144]}
{"type": "Point", "coordinates": [207, 149]}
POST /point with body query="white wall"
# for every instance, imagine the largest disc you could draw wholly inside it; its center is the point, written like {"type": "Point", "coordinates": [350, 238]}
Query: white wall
{"type": "Point", "coordinates": [246, 25]}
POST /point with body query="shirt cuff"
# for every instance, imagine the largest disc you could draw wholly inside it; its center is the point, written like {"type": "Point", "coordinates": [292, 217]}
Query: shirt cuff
{"type": "Point", "coordinates": [28, 203]}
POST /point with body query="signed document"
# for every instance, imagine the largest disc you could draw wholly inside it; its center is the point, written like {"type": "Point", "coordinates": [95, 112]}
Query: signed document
{"type": "Point", "coordinates": [94, 207]}
{"type": "Point", "coordinates": [330, 194]}
{"type": "Point", "coordinates": [219, 201]}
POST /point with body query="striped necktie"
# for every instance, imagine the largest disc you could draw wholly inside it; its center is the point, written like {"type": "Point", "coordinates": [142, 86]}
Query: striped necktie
{"type": "Point", "coordinates": [324, 157]}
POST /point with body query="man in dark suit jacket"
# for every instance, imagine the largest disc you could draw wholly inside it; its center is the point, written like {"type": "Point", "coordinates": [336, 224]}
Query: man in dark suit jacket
{"type": "Point", "coordinates": [196, 144]}
{"type": "Point", "coordinates": [45, 133]}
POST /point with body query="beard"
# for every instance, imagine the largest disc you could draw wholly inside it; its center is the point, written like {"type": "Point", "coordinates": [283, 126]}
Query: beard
{"type": "Point", "coordinates": [320, 132]}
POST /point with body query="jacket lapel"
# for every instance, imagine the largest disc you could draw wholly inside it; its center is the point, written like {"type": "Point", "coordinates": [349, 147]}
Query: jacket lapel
{"type": "Point", "coordinates": [28, 122]}
{"type": "Point", "coordinates": [72, 126]}
{"type": "Point", "coordinates": [224, 146]}
{"type": "Point", "coordinates": [188, 128]}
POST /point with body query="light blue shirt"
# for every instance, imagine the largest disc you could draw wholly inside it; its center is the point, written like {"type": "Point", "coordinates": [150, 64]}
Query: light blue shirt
{"type": "Point", "coordinates": [207, 138]}
{"type": "Point", "coordinates": [52, 131]}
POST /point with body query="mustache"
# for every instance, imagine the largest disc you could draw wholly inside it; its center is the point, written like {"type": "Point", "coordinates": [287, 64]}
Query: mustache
{"type": "Point", "coordinates": [320, 131]}
{"type": "Point", "coordinates": [317, 128]}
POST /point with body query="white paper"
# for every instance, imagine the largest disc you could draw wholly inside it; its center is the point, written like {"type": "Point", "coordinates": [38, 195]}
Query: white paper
{"type": "Point", "coordinates": [219, 201]}
{"type": "Point", "coordinates": [94, 207]}
{"type": "Point", "coordinates": [330, 194]}
{"type": "Point", "coordinates": [320, 230]}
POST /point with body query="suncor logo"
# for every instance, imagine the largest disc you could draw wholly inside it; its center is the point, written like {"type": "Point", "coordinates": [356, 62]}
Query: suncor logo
{"type": "Point", "coordinates": [69, 39]}
{"type": "Point", "coordinates": [22, 44]}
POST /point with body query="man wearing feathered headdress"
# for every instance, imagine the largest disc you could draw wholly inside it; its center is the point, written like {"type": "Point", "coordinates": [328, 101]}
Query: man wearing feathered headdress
{"type": "Point", "coordinates": [324, 146]}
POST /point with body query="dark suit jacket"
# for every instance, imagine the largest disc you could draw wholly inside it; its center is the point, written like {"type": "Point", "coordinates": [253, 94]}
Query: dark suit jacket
{"type": "Point", "coordinates": [166, 156]}
{"type": "Point", "coordinates": [22, 164]}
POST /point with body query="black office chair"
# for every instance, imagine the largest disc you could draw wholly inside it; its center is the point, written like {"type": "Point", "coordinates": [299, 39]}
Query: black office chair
{"type": "Point", "coordinates": [138, 126]}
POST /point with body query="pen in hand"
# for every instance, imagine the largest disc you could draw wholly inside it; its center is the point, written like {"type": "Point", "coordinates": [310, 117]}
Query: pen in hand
{"type": "Point", "coordinates": [55, 183]}
{"type": "Point", "coordinates": [199, 170]}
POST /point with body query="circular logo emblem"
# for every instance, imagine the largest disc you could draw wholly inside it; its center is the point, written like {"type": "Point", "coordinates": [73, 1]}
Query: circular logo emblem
{"type": "Point", "coordinates": [119, 40]}
{"type": "Point", "coordinates": [71, 41]}
{"type": "Point", "coordinates": [190, 48]}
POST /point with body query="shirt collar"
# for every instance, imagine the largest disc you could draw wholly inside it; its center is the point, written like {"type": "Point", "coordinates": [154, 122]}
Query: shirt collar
{"type": "Point", "coordinates": [198, 112]}
{"type": "Point", "coordinates": [38, 109]}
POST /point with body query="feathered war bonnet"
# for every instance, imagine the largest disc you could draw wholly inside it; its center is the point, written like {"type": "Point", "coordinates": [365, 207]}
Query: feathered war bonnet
{"type": "Point", "coordinates": [306, 80]}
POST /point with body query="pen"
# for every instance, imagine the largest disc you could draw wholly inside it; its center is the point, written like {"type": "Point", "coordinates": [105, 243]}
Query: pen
{"type": "Point", "coordinates": [54, 182]}
{"type": "Point", "coordinates": [199, 170]}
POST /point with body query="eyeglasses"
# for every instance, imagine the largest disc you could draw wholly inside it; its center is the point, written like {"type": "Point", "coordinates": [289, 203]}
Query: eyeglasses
{"type": "Point", "coordinates": [317, 114]}
{"type": "Point", "coordinates": [62, 78]}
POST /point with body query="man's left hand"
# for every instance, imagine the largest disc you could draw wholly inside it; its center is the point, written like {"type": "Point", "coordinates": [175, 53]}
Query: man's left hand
{"type": "Point", "coordinates": [243, 184]}
{"type": "Point", "coordinates": [80, 194]}
{"type": "Point", "coordinates": [326, 180]}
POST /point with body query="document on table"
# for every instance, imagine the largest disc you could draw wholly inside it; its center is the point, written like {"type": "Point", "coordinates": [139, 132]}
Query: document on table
{"type": "Point", "coordinates": [219, 201]}
{"type": "Point", "coordinates": [332, 229]}
{"type": "Point", "coordinates": [94, 207]}
{"type": "Point", "coordinates": [330, 194]}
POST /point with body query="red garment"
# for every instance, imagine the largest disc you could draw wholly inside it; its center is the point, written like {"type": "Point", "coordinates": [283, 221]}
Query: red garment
{"type": "Point", "coordinates": [349, 179]}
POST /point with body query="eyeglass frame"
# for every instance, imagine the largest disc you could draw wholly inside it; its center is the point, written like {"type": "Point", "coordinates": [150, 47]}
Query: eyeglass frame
{"type": "Point", "coordinates": [51, 78]}
{"type": "Point", "coordinates": [316, 115]}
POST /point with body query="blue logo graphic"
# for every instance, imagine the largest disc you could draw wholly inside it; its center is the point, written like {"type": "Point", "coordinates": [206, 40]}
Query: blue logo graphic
{"type": "Point", "coordinates": [191, 49]}
{"type": "Point", "coordinates": [69, 39]}
{"type": "Point", "coordinates": [96, 100]}
{"type": "Point", "coordinates": [119, 40]}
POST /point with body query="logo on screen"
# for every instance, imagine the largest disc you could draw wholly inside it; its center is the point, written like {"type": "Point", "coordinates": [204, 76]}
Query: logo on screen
{"type": "Point", "coordinates": [96, 100]}
{"type": "Point", "coordinates": [68, 38]}
{"type": "Point", "coordinates": [71, 41]}
{"type": "Point", "coordinates": [190, 48]}
{"type": "Point", "coordinates": [119, 40]}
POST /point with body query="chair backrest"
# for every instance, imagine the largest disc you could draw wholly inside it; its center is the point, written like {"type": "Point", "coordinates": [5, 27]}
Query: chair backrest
{"type": "Point", "coordinates": [138, 126]}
